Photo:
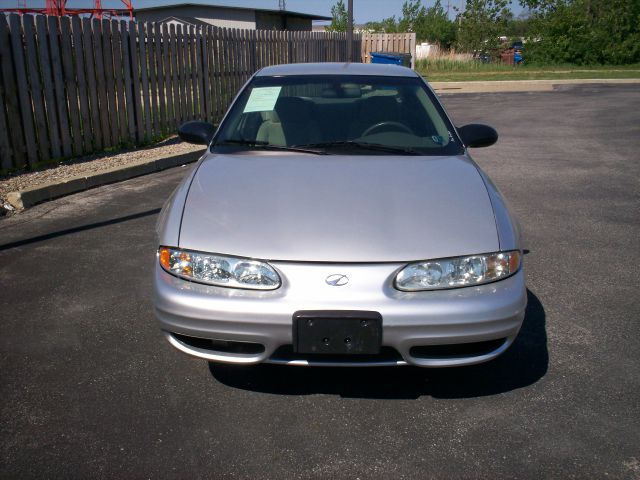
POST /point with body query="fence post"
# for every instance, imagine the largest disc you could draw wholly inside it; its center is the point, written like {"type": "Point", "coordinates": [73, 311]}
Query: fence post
{"type": "Point", "coordinates": [252, 51]}
{"type": "Point", "coordinates": [61, 102]}
{"type": "Point", "coordinates": [70, 84]}
{"type": "Point", "coordinates": [48, 86]}
{"type": "Point", "coordinates": [35, 86]}
{"type": "Point", "coordinates": [94, 107]}
{"type": "Point", "coordinates": [199, 77]}
{"type": "Point", "coordinates": [87, 134]}
{"type": "Point", "coordinates": [211, 78]}
{"type": "Point", "coordinates": [144, 77]}
{"type": "Point", "coordinates": [128, 82]}
{"type": "Point", "coordinates": [168, 84]}
{"type": "Point", "coordinates": [135, 74]}
{"type": "Point", "coordinates": [412, 47]}
{"type": "Point", "coordinates": [215, 70]}
{"type": "Point", "coordinates": [11, 98]}
{"type": "Point", "coordinates": [178, 101]}
{"type": "Point", "coordinates": [186, 72]}
{"type": "Point", "coordinates": [23, 92]}
{"type": "Point", "coordinates": [157, 38]}
{"type": "Point", "coordinates": [153, 79]}
{"type": "Point", "coordinates": [112, 109]}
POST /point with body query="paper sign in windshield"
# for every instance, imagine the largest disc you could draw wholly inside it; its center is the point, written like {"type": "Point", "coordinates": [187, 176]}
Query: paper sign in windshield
{"type": "Point", "coordinates": [262, 99]}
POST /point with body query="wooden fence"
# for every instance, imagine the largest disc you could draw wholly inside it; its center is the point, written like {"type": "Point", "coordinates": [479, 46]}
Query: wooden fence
{"type": "Point", "coordinates": [71, 86]}
{"type": "Point", "coordinates": [388, 42]}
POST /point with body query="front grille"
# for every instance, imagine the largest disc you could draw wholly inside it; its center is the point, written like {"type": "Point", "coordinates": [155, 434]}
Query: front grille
{"type": "Point", "coordinates": [221, 346]}
{"type": "Point", "coordinates": [456, 350]}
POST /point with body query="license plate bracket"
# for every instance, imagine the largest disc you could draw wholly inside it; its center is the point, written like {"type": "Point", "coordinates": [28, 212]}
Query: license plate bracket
{"type": "Point", "coordinates": [339, 332]}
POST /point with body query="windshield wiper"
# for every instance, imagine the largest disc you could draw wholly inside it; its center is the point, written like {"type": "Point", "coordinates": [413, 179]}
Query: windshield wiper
{"type": "Point", "coordinates": [364, 145]}
{"type": "Point", "coordinates": [261, 144]}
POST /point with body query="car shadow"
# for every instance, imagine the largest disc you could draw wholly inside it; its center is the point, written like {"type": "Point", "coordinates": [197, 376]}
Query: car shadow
{"type": "Point", "coordinates": [523, 364]}
{"type": "Point", "coordinates": [82, 228]}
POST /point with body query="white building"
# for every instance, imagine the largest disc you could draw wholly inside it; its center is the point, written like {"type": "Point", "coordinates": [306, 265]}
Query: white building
{"type": "Point", "coordinates": [225, 16]}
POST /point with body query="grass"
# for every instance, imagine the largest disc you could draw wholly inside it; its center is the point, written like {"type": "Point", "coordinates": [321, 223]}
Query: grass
{"type": "Point", "coordinates": [446, 70]}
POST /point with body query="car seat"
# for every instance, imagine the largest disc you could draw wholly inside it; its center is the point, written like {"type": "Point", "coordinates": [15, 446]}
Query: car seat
{"type": "Point", "coordinates": [291, 124]}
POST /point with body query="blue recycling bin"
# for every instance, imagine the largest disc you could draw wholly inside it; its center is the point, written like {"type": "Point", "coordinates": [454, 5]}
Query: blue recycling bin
{"type": "Point", "coordinates": [391, 58]}
{"type": "Point", "coordinates": [517, 57]}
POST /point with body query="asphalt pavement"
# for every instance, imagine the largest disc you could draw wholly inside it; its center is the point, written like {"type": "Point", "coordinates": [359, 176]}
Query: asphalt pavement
{"type": "Point", "coordinates": [90, 389]}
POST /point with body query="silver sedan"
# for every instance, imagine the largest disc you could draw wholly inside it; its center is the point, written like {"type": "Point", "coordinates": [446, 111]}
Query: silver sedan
{"type": "Point", "coordinates": [337, 219]}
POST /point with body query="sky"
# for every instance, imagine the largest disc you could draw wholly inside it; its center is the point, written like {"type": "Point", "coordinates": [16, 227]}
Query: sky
{"type": "Point", "coordinates": [363, 10]}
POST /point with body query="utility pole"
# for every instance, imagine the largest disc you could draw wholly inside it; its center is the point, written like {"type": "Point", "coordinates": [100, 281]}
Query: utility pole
{"type": "Point", "coordinates": [350, 31]}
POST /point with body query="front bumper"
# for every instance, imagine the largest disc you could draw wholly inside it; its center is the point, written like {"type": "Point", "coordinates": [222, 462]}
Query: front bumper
{"type": "Point", "coordinates": [411, 320]}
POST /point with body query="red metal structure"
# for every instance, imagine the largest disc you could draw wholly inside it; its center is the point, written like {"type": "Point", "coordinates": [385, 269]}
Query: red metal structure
{"type": "Point", "coordinates": [60, 8]}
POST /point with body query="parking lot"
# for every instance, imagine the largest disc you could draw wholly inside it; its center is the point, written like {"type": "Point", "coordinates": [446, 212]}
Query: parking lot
{"type": "Point", "coordinates": [90, 388]}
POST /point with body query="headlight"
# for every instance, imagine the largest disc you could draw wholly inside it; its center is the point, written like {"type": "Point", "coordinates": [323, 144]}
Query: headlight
{"type": "Point", "coordinates": [219, 270]}
{"type": "Point", "coordinates": [458, 271]}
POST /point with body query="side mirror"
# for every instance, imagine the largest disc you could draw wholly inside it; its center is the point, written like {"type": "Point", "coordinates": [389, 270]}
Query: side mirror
{"type": "Point", "coordinates": [197, 132]}
{"type": "Point", "coordinates": [477, 135]}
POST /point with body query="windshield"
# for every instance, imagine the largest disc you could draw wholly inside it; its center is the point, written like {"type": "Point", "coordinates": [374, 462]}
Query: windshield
{"type": "Point", "coordinates": [358, 114]}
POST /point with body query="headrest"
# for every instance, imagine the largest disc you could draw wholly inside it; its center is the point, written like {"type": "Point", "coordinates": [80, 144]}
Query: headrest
{"type": "Point", "coordinates": [351, 90]}
{"type": "Point", "coordinates": [270, 115]}
{"type": "Point", "coordinates": [293, 109]}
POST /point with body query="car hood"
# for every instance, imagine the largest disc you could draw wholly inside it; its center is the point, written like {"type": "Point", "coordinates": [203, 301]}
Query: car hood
{"type": "Point", "coordinates": [333, 208]}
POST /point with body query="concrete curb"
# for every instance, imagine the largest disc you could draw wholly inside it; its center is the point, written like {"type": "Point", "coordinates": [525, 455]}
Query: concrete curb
{"type": "Point", "coordinates": [48, 191]}
{"type": "Point", "coordinates": [480, 86]}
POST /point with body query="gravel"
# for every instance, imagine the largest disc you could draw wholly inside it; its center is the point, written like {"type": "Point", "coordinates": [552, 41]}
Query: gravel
{"type": "Point", "coordinates": [87, 165]}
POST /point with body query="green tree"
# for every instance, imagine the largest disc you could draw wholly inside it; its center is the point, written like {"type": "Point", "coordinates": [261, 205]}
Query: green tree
{"type": "Point", "coordinates": [520, 26]}
{"type": "Point", "coordinates": [436, 27]}
{"type": "Point", "coordinates": [481, 24]}
{"type": "Point", "coordinates": [340, 18]}
{"type": "Point", "coordinates": [429, 24]}
{"type": "Point", "coordinates": [584, 32]}
{"type": "Point", "coordinates": [413, 13]}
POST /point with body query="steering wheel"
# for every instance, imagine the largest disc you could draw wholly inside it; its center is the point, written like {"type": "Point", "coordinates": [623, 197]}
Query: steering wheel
{"type": "Point", "coordinates": [379, 125]}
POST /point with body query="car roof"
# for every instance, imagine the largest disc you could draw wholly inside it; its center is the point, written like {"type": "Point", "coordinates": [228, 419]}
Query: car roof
{"type": "Point", "coordinates": [337, 69]}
